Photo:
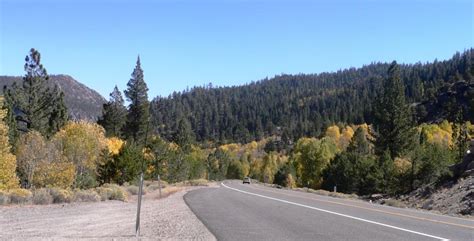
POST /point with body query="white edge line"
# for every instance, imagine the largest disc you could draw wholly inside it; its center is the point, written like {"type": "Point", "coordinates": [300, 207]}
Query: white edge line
{"type": "Point", "coordinates": [339, 214]}
{"type": "Point", "coordinates": [420, 211]}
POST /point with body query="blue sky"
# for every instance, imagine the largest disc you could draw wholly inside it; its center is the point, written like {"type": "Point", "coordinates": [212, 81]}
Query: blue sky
{"type": "Point", "coordinates": [226, 42]}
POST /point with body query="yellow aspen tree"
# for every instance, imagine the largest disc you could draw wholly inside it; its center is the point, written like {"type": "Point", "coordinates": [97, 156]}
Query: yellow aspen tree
{"type": "Point", "coordinates": [82, 144]}
{"type": "Point", "coordinates": [8, 178]}
{"type": "Point", "coordinates": [114, 145]}
{"type": "Point", "coordinates": [346, 135]}
{"type": "Point", "coordinates": [31, 152]}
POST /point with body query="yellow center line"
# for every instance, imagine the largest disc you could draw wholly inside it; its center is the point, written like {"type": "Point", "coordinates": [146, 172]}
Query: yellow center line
{"type": "Point", "coordinates": [370, 209]}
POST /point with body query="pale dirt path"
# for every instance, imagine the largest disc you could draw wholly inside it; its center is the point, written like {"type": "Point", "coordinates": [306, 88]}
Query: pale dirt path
{"type": "Point", "coordinates": [165, 219]}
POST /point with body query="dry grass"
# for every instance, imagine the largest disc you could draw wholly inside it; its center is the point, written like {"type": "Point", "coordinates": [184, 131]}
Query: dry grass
{"type": "Point", "coordinates": [133, 190]}
{"type": "Point", "coordinates": [394, 203]}
{"type": "Point", "coordinates": [20, 196]}
{"type": "Point", "coordinates": [61, 195]}
{"type": "Point", "coordinates": [327, 193]}
{"type": "Point", "coordinates": [102, 193]}
{"type": "Point", "coordinates": [195, 182]}
{"type": "Point", "coordinates": [112, 192]}
{"type": "Point", "coordinates": [148, 183]}
{"type": "Point", "coordinates": [86, 196]}
{"type": "Point", "coordinates": [199, 182]}
{"type": "Point", "coordinates": [319, 192]}
{"type": "Point", "coordinates": [155, 186]}
{"type": "Point", "coordinates": [42, 196]}
{"type": "Point", "coordinates": [165, 192]}
{"type": "Point", "coordinates": [170, 190]}
{"type": "Point", "coordinates": [4, 198]}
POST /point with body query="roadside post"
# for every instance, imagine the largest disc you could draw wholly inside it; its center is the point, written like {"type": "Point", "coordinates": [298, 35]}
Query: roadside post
{"type": "Point", "coordinates": [159, 184]}
{"type": "Point", "coordinates": [140, 190]}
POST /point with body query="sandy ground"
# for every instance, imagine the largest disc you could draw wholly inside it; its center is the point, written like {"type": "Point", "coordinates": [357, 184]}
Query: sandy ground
{"type": "Point", "coordinates": [161, 219]}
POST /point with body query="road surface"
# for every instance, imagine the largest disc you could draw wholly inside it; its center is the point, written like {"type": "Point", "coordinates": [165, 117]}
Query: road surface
{"type": "Point", "coordinates": [237, 211]}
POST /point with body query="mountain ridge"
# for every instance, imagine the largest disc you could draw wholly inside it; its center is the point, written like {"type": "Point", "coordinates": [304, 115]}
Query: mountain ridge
{"type": "Point", "coordinates": [83, 103]}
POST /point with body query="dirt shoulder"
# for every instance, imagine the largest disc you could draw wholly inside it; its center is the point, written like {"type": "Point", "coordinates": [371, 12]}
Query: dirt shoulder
{"type": "Point", "coordinates": [161, 219]}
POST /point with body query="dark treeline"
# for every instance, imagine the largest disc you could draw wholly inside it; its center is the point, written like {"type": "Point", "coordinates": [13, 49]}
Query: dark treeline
{"type": "Point", "coordinates": [298, 105]}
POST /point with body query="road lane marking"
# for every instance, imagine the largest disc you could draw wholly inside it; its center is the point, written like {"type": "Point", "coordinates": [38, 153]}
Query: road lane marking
{"type": "Point", "coordinates": [366, 208]}
{"type": "Point", "coordinates": [335, 213]}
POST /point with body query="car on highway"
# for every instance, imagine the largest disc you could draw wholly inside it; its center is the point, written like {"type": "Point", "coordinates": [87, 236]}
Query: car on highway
{"type": "Point", "coordinates": [246, 180]}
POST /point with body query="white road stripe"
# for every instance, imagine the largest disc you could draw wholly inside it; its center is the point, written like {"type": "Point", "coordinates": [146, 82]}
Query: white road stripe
{"type": "Point", "coordinates": [339, 214]}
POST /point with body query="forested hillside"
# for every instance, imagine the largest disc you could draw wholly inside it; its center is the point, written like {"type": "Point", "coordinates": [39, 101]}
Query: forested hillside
{"type": "Point", "coordinates": [446, 102]}
{"type": "Point", "coordinates": [304, 104]}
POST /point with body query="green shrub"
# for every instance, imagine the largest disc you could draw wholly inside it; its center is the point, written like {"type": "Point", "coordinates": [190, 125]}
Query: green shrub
{"type": "Point", "coordinates": [117, 193]}
{"type": "Point", "coordinates": [42, 196]}
{"type": "Point", "coordinates": [86, 196]}
{"type": "Point", "coordinates": [20, 196]}
{"type": "Point", "coordinates": [4, 198]}
{"type": "Point", "coordinates": [85, 181]}
{"type": "Point", "coordinates": [61, 195]}
{"type": "Point", "coordinates": [133, 190]}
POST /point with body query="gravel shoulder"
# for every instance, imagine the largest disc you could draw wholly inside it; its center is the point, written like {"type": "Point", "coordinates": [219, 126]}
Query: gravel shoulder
{"type": "Point", "coordinates": [161, 219]}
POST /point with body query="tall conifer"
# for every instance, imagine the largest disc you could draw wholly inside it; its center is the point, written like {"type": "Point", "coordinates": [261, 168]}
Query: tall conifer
{"type": "Point", "coordinates": [392, 116]}
{"type": "Point", "coordinates": [114, 114]}
{"type": "Point", "coordinates": [138, 109]}
{"type": "Point", "coordinates": [34, 104]}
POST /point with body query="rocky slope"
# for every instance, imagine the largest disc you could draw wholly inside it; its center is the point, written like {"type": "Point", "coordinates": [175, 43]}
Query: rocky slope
{"type": "Point", "coordinates": [83, 103]}
{"type": "Point", "coordinates": [455, 197]}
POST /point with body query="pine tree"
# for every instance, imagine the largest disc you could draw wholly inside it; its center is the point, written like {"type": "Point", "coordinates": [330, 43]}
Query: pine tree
{"type": "Point", "coordinates": [10, 120]}
{"type": "Point", "coordinates": [138, 110]}
{"type": "Point", "coordinates": [359, 143]}
{"type": "Point", "coordinates": [59, 116]}
{"type": "Point", "coordinates": [35, 105]}
{"type": "Point", "coordinates": [460, 136]}
{"type": "Point", "coordinates": [392, 116]}
{"type": "Point", "coordinates": [184, 135]}
{"type": "Point", "coordinates": [385, 167]}
{"type": "Point", "coordinates": [114, 114]}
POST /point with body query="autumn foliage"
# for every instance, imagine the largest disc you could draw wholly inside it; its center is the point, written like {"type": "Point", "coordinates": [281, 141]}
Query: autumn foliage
{"type": "Point", "coordinates": [8, 177]}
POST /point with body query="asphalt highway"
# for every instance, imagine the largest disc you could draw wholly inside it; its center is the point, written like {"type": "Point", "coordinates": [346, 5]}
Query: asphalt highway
{"type": "Point", "coordinates": [237, 211]}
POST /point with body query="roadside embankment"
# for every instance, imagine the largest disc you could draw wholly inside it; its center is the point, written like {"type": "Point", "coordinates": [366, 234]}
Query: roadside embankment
{"type": "Point", "coordinates": [161, 219]}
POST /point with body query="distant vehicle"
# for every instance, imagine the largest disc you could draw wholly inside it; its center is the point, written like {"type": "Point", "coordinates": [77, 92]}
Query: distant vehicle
{"type": "Point", "coordinates": [246, 180]}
